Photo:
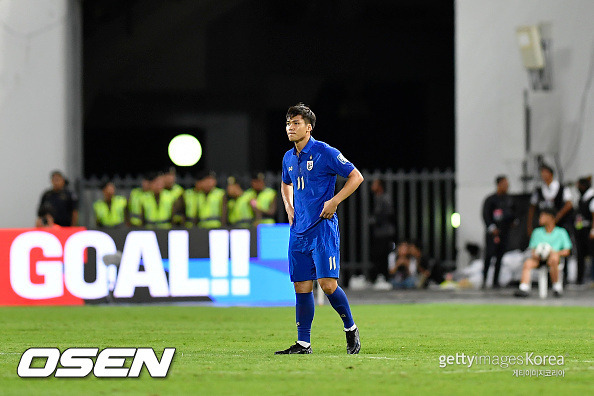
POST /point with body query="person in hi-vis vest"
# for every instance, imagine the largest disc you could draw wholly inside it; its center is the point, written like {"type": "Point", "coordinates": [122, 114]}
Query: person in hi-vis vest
{"type": "Point", "coordinates": [211, 201]}
{"type": "Point", "coordinates": [112, 210]}
{"type": "Point", "coordinates": [135, 201]}
{"type": "Point", "coordinates": [263, 200]}
{"type": "Point", "coordinates": [157, 205]}
{"type": "Point", "coordinates": [176, 191]}
{"type": "Point", "coordinates": [241, 214]}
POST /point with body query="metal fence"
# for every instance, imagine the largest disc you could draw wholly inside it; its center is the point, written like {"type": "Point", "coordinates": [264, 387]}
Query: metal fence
{"type": "Point", "coordinates": [423, 203]}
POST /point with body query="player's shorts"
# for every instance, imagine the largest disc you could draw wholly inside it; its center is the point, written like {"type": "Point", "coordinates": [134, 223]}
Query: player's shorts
{"type": "Point", "coordinates": [317, 254]}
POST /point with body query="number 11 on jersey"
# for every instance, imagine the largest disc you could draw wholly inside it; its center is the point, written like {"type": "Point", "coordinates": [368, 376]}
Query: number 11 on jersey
{"type": "Point", "coordinates": [300, 183]}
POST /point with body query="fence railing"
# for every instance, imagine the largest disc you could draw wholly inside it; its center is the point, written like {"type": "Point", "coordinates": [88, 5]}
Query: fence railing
{"type": "Point", "coordinates": [423, 204]}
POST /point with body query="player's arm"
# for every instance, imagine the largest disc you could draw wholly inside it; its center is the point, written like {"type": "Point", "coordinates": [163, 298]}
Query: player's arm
{"type": "Point", "coordinates": [566, 208]}
{"type": "Point", "coordinates": [287, 194]}
{"type": "Point", "coordinates": [353, 182]}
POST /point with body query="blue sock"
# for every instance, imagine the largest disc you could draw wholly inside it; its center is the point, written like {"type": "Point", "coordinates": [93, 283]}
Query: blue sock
{"type": "Point", "coordinates": [304, 314]}
{"type": "Point", "coordinates": [340, 303]}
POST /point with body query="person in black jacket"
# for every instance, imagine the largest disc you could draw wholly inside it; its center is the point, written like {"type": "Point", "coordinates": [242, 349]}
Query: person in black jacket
{"type": "Point", "coordinates": [584, 226]}
{"type": "Point", "coordinates": [498, 215]}
{"type": "Point", "coordinates": [62, 202]}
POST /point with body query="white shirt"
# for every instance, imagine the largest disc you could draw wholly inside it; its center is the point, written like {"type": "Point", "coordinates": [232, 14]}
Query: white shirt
{"type": "Point", "coordinates": [587, 195]}
{"type": "Point", "coordinates": [550, 192]}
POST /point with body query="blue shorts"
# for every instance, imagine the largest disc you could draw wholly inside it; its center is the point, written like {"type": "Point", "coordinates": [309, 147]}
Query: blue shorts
{"type": "Point", "coordinates": [315, 255]}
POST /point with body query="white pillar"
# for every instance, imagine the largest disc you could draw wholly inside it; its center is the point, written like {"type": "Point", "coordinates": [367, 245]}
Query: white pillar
{"type": "Point", "coordinates": [40, 101]}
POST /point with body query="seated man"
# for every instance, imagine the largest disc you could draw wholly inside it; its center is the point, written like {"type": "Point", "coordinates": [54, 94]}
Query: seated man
{"type": "Point", "coordinates": [560, 243]}
{"type": "Point", "coordinates": [428, 269]}
{"type": "Point", "coordinates": [402, 271]}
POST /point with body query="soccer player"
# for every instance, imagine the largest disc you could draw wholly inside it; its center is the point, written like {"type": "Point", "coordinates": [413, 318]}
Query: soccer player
{"type": "Point", "coordinates": [561, 246]}
{"type": "Point", "coordinates": [307, 187]}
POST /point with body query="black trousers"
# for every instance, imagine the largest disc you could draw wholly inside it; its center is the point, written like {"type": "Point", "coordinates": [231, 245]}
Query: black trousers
{"type": "Point", "coordinates": [585, 247]}
{"type": "Point", "coordinates": [496, 250]}
{"type": "Point", "coordinates": [380, 249]}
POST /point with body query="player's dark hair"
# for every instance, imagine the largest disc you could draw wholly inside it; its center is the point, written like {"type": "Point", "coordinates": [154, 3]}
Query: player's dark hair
{"type": "Point", "coordinates": [304, 111]}
{"type": "Point", "coordinates": [547, 168]}
{"type": "Point", "coordinates": [585, 181]}
{"type": "Point", "coordinates": [549, 211]}
{"type": "Point", "coordinates": [57, 173]}
{"type": "Point", "coordinates": [499, 179]}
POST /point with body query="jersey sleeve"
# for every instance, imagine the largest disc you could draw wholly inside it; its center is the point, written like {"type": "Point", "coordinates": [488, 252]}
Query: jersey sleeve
{"type": "Point", "coordinates": [534, 239]}
{"type": "Point", "coordinates": [337, 163]}
{"type": "Point", "coordinates": [285, 173]}
{"type": "Point", "coordinates": [566, 240]}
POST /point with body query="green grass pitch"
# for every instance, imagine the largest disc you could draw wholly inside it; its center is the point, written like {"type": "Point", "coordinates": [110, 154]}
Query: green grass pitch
{"type": "Point", "coordinates": [230, 350]}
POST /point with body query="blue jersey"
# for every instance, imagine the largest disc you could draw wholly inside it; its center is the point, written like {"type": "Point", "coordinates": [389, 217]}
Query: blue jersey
{"type": "Point", "coordinates": [313, 175]}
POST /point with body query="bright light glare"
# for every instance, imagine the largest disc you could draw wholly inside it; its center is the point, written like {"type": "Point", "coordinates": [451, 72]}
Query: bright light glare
{"type": "Point", "coordinates": [184, 150]}
{"type": "Point", "coordinates": [455, 220]}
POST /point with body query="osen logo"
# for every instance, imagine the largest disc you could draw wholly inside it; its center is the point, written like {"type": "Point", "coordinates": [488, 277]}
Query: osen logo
{"type": "Point", "coordinates": [78, 362]}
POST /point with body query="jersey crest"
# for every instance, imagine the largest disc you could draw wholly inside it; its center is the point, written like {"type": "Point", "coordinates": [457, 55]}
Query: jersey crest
{"type": "Point", "coordinates": [309, 165]}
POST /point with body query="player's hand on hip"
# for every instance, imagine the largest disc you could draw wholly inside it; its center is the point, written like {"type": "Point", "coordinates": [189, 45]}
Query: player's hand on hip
{"type": "Point", "coordinates": [329, 209]}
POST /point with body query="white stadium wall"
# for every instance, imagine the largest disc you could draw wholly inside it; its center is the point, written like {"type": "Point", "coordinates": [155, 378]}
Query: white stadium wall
{"type": "Point", "coordinates": [490, 80]}
{"type": "Point", "coordinates": [40, 99]}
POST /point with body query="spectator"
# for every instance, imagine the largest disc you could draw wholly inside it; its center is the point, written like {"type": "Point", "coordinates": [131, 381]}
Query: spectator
{"type": "Point", "coordinates": [135, 201]}
{"type": "Point", "coordinates": [190, 204]}
{"type": "Point", "coordinates": [552, 195]}
{"type": "Point", "coordinates": [111, 211]}
{"type": "Point", "coordinates": [401, 269]}
{"type": "Point", "coordinates": [262, 201]}
{"type": "Point", "coordinates": [429, 270]}
{"type": "Point", "coordinates": [212, 203]}
{"type": "Point", "coordinates": [176, 191]}
{"type": "Point", "coordinates": [169, 183]}
{"type": "Point", "coordinates": [63, 203]}
{"type": "Point", "coordinates": [383, 231]}
{"type": "Point", "coordinates": [584, 226]}
{"type": "Point", "coordinates": [157, 205]}
{"type": "Point", "coordinates": [241, 214]}
{"type": "Point", "coordinates": [498, 215]}
{"type": "Point", "coordinates": [560, 246]}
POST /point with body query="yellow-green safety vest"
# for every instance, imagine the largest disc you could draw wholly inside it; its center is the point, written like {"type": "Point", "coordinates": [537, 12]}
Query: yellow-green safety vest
{"type": "Point", "coordinates": [177, 191]}
{"type": "Point", "coordinates": [210, 208]}
{"type": "Point", "coordinates": [191, 203]}
{"type": "Point", "coordinates": [135, 205]}
{"type": "Point", "coordinates": [110, 215]}
{"type": "Point", "coordinates": [263, 202]}
{"type": "Point", "coordinates": [158, 215]}
{"type": "Point", "coordinates": [240, 211]}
